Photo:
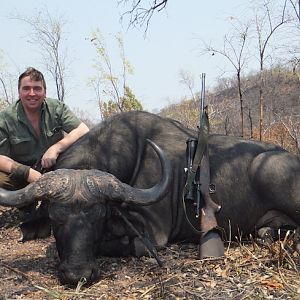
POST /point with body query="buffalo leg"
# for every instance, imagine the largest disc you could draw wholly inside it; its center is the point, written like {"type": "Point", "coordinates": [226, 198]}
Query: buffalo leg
{"type": "Point", "coordinates": [115, 246]}
{"type": "Point", "coordinates": [123, 246]}
{"type": "Point", "coordinates": [35, 223]}
{"type": "Point", "coordinates": [37, 229]}
{"type": "Point", "coordinates": [297, 240]}
{"type": "Point", "coordinates": [268, 226]}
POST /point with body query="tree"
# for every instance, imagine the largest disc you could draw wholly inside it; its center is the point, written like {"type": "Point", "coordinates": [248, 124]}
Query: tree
{"type": "Point", "coordinates": [3, 85]}
{"type": "Point", "coordinates": [142, 11]}
{"type": "Point", "coordinates": [112, 91]}
{"type": "Point", "coordinates": [129, 103]}
{"type": "Point", "coordinates": [84, 117]}
{"type": "Point", "coordinates": [6, 84]}
{"type": "Point", "coordinates": [293, 47]}
{"type": "Point", "coordinates": [187, 79]}
{"type": "Point", "coordinates": [292, 127]}
{"type": "Point", "coordinates": [47, 36]}
{"type": "Point", "coordinates": [233, 50]}
{"type": "Point", "coordinates": [186, 112]}
{"type": "Point", "coordinates": [296, 8]}
{"type": "Point", "coordinates": [266, 24]}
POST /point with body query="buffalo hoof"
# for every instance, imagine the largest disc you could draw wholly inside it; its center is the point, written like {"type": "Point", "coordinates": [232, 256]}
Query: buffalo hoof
{"type": "Point", "coordinates": [144, 248]}
{"type": "Point", "coordinates": [211, 245]}
{"type": "Point", "coordinates": [139, 248]}
{"type": "Point", "coordinates": [266, 236]}
{"type": "Point", "coordinates": [37, 229]}
{"type": "Point", "coordinates": [297, 240]}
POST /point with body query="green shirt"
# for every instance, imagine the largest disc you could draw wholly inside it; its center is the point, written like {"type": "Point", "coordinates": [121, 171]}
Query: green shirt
{"type": "Point", "coordinates": [18, 139]}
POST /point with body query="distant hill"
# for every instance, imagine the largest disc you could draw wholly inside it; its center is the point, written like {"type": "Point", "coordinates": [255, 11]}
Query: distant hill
{"type": "Point", "coordinates": [281, 91]}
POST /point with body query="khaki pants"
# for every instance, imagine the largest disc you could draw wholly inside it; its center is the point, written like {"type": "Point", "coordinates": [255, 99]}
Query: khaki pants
{"type": "Point", "coordinates": [6, 182]}
{"type": "Point", "coordinates": [10, 184]}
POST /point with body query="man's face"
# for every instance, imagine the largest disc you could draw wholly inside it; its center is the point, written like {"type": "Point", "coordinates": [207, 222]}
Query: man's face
{"type": "Point", "coordinates": [32, 93]}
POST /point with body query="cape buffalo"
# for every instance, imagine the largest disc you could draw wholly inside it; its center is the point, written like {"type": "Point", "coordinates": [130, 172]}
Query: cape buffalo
{"type": "Point", "coordinates": [257, 185]}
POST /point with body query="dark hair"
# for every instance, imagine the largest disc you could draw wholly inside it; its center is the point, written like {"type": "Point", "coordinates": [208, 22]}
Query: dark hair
{"type": "Point", "coordinates": [34, 75]}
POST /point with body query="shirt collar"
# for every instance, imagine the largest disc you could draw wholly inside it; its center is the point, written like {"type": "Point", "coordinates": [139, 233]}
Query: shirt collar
{"type": "Point", "coordinates": [21, 112]}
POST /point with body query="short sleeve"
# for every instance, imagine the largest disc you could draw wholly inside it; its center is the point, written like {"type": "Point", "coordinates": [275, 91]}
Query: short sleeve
{"type": "Point", "coordinates": [68, 119]}
{"type": "Point", "coordinates": [4, 141]}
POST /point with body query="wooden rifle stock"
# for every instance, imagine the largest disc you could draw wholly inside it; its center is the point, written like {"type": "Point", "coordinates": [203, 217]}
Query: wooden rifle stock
{"type": "Point", "coordinates": [210, 244]}
{"type": "Point", "coordinates": [209, 207]}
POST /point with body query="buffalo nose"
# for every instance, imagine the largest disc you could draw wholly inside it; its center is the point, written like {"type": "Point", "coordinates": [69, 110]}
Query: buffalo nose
{"type": "Point", "coordinates": [72, 276]}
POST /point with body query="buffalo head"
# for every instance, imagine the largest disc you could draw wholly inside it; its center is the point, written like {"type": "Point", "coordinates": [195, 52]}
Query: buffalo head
{"type": "Point", "coordinates": [78, 208]}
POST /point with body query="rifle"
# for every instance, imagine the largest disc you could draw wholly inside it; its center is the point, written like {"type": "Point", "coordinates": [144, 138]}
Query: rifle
{"type": "Point", "coordinates": [198, 186]}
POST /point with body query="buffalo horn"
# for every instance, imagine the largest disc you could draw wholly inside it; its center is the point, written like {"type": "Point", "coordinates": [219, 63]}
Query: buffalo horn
{"type": "Point", "coordinates": [16, 198]}
{"type": "Point", "coordinates": [131, 195]}
{"type": "Point", "coordinates": [22, 197]}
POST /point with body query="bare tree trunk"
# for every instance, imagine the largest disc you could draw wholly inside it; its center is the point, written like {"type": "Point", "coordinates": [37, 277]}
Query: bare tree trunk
{"type": "Point", "coordinates": [251, 123]}
{"type": "Point", "coordinates": [261, 106]}
{"type": "Point", "coordinates": [5, 91]}
{"type": "Point", "coordinates": [241, 103]}
{"type": "Point", "coordinates": [226, 123]}
{"type": "Point", "coordinates": [265, 29]}
{"type": "Point", "coordinates": [234, 51]}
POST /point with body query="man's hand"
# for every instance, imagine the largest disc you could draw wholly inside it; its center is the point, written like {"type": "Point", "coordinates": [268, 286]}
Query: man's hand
{"type": "Point", "coordinates": [33, 175]}
{"type": "Point", "coordinates": [49, 158]}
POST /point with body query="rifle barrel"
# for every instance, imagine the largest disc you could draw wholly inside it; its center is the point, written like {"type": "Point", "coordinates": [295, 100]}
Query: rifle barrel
{"type": "Point", "coordinates": [202, 97]}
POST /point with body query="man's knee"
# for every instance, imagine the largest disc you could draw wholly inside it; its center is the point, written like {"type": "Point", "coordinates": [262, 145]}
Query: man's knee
{"type": "Point", "coordinates": [9, 183]}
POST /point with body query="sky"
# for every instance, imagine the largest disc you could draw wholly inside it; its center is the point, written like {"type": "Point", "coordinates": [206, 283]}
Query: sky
{"type": "Point", "coordinates": [172, 43]}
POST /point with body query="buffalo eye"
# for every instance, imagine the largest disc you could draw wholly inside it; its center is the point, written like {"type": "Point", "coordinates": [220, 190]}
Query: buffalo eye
{"type": "Point", "coordinates": [58, 215]}
{"type": "Point", "coordinates": [96, 212]}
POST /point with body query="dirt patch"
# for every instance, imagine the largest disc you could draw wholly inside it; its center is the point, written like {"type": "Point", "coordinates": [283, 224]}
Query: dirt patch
{"type": "Point", "coordinates": [29, 271]}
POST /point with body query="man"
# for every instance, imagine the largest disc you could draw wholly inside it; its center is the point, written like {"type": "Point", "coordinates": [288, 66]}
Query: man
{"type": "Point", "coordinates": [34, 130]}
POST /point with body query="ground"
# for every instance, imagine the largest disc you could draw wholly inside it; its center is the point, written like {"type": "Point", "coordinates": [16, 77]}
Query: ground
{"type": "Point", "coordinates": [29, 271]}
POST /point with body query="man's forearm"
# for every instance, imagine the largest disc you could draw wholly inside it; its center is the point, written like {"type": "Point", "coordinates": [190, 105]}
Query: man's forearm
{"type": "Point", "coordinates": [71, 138]}
{"type": "Point", "coordinates": [18, 171]}
{"type": "Point", "coordinates": [50, 156]}
{"type": "Point", "coordinates": [6, 164]}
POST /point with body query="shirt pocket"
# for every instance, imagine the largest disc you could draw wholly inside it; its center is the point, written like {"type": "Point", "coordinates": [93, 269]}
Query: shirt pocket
{"type": "Point", "coordinates": [54, 135]}
{"type": "Point", "coordinates": [21, 147]}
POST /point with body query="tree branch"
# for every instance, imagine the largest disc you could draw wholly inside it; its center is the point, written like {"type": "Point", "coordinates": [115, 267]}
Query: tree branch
{"type": "Point", "coordinates": [140, 13]}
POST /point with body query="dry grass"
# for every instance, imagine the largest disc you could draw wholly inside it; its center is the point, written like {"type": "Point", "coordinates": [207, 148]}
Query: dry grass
{"type": "Point", "coordinates": [28, 271]}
